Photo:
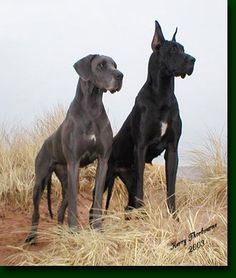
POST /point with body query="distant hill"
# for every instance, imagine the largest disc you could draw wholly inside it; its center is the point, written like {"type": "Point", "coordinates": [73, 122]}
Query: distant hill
{"type": "Point", "coordinates": [189, 172]}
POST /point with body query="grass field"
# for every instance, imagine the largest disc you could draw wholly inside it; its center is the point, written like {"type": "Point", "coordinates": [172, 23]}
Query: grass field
{"type": "Point", "coordinates": [150, 237]}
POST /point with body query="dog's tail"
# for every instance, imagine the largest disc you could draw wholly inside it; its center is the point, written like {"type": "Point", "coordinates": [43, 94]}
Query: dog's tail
{"type": "Point", "coordinates": [49, 190]}
{"type": "Point", "coordinates": [109, 193]}
{"type": "Point", "coordinates": [109, 183]}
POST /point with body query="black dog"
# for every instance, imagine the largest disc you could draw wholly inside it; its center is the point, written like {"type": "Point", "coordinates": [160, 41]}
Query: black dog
{"type": "Point", "coordinates": [84, 136]}
{"type": "Point", "coordinates": [154, 124]}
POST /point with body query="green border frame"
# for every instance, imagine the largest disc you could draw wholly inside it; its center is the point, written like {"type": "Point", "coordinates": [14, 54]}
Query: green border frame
{"type": "Point", "coordinates": [172, 271]}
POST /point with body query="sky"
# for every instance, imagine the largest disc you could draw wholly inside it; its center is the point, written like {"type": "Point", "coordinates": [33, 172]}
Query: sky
{"type": "Point", "coordinates": [41, 40]}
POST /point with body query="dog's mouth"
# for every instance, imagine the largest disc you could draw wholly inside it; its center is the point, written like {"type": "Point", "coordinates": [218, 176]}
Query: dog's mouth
{"type": "Point", "coordinates": [186, 70]}
{"type": "Point", "coordinates": [116, 88]}
{"type": "Point", "coordinates": [183, 75]}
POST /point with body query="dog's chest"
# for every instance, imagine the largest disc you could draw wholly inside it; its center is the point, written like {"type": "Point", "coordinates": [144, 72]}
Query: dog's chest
{"type": "Point", "coordinates": [92, 138]}
{"type": "Point", "coordinates": [164, 126]}
{"type": "Point", "coordinates": [156, 134]}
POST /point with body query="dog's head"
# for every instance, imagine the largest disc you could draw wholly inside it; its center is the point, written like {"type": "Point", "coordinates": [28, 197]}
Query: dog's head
{"type": "Point", "coordinates": [101, 71]}
{"type": "Point", "coordinates": [170, 54]}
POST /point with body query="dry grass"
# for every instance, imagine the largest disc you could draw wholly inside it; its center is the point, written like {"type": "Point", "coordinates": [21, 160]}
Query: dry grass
{"type": "Point", "coordinates": [211, 159]}
{"type": "Point", "coordinates": [147, 238]}
{"type": "Point", "coordinates": [18, 149]}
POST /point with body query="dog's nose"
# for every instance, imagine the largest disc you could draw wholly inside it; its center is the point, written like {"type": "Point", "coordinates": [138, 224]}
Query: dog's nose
{"type": "Point", "coordinates": [192, 60]}
{"type": "Point", "coordinates": [119, 75]}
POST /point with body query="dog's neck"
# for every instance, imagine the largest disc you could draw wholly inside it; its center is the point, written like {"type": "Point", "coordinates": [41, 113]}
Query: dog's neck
{"type": "Point", "coordinates": [162, 84]}
{"type": "Point", "coordinates": [88, 98]}
{"type": "Point", "coordinates": [87, 93]}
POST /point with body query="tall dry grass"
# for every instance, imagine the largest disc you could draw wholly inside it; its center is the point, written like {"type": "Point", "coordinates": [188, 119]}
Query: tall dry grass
{"type": "Point", "coordinates": [18, 149]}
{"type": "Point", "coordinates": [146, 239]}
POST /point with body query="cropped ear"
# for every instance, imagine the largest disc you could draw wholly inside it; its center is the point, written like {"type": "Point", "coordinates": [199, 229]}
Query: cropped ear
{"type": "Point", "coordinates": [158, 37]}
{"type": "Point", "coordinates": [173, 39]}
{"type": "Point", "coordinates": [83, 67]}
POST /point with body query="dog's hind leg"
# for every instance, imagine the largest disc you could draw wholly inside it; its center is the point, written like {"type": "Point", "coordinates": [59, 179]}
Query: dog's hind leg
{"type": "Point", "coordinates": [61, 173]}
{"type": "Point", "coordinates": [126, 176]}
{"type": "Point", "coordinates": [42, 177]}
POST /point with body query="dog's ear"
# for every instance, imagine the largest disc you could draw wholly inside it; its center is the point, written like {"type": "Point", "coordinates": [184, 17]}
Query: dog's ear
{"type": "Point", "coordinates": [173, 39]}
{"type": "Point", "coordinates": [83, 67]}
{"type": "Point", "coordinates": [158, 37]}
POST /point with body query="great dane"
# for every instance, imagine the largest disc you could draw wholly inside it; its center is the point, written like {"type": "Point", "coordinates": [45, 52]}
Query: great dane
{"type": "Point", "coordinates": [154, 124]}
{"type": "Point", "coordinates": [84, 135]}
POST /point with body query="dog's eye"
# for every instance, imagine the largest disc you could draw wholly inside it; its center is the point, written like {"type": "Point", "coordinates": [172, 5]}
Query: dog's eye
{"type": "Point", "coordinates": [101, 66]}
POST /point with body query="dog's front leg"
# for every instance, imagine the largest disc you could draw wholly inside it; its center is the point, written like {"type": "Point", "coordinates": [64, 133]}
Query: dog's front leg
{"type": "Point", "coordinates": [171, 157]}
{"type": "Point", "coordinates": [73, 174]}
{"type": "Point", "coordinates": [96, 209]}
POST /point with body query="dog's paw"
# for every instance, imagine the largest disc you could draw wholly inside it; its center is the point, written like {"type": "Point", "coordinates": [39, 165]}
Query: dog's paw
{"type": "Point", "coordinates": [31, 239]}
{"type": "Point", "coordinates": [74, 229]}
{"type": "Point", "coordinates": [175, 217]}
{"type": "Point", "coordinates": [96, 225]}
{"type": "Point", "coordinates": [135, 213]}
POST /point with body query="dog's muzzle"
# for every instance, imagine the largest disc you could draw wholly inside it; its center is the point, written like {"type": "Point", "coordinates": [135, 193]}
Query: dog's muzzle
{"type": "Point", "coordinates": [117, 82]}
{"type": "Point", "coordinates": [189, 66]}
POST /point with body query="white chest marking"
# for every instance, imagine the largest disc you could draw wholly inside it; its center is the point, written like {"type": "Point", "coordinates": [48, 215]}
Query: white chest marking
{"type": "Point", "coordinates": [163, 128]}
{"type": "Point", "coordinates": [92, 137]}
